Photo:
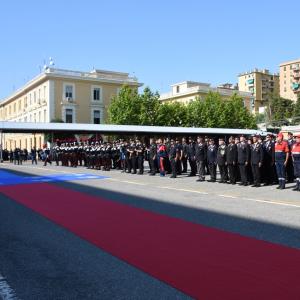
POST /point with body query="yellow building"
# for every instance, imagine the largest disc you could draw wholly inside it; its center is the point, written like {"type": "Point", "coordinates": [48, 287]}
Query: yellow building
{"type": "Point", "coordinates": [290, 79]}
{"type": "Point", "coordinates": [261, 83]}
{"type": "Point", "coordinates": [71, 96]}
{"type": "Point", "coordinates": [188, 91]}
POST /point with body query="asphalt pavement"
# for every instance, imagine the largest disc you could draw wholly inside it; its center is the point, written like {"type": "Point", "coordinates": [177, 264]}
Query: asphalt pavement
{"type": "Point", "coordinates": [41, 260]}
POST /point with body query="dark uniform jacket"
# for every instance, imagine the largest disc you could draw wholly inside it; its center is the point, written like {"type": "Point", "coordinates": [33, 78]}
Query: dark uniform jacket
{"type": "Point", "coordinates": [269, 152]}
{"type": "Point", "coordinates": [221, 155]}
{"type": "Point", "coordinates": [257, 154]}
{"type": "Point", "coordinates": [192, 150]}
{"type": "Point", "coordinates": [243, 153]}
{"type": "Point", "coordinates": [212, 154]}
{"type": "Point", "coordinates": [200, 152]}
{"type": "Point", "coordinates": [232, 154]}
{"type": "Point", "coordinates": [173, 152]}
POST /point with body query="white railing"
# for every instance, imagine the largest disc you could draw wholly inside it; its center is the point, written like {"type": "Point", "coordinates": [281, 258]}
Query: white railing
{"type": "Point", "coordinates": [91, 75]}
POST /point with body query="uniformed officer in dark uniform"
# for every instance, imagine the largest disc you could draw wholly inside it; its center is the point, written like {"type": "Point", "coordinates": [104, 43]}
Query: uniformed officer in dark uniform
{"type": "Point", "coordinates": [243, 159]}
{"type": "Point", "coordinates": [200, 157]}
{"type": "Point", "coordinates": [132, 158]}
{"type": "Point", "coordinates": [191, 157]}
{"type": "Point", "coordinates": [256, 161]}
{"type": "Point", "coordinates": [184, 155]}
{"type": "Point", "coordinates": [231, 159]}
{"type": "Point", "coordinates": [153, 157]}
{"type": "Point", "coordinates": [212, 160]}
{"type": "Point", "coordinates": [140, 152]}
{"type": "Point", "coordinates": [178, 161]}
{"type": "Point", "coordinates": [221, 160]}
{"type": "Point", "coordinates": [268, 174]}
{"type": "Point", "coordinates": [174, 153]}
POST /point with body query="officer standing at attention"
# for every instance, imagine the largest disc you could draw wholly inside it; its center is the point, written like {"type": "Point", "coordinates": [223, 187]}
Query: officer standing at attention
{"type": "Point", "coordinates": [184, 155]}
{"type": "Point", "coordinates": [152, 157]}
{"type": "Point", "coordinates": [33, 155]}
{"type": "Point", "coordinates": [174, 153]}
{"type": "Point", "coordinates": [256, 161]}
{"type": "Point", "coordinates": [212, 160]}
{"type": "Point", "coordinates": [296, 161]}
{"type": "Point", "coordinates": [231, 159]}
{"type": "Point", "coordinates": [178, 161]}
{"type": "Point", "coordinates": [200, 156]}
{"type": "Point", "coordinates": [221, 160]}
{"type": "Point", "coordinates": [191, 156]}
{"type": "Point", "coordinates": [140, 151]}
{"type": "Point", "coordinates": [243, 159]}
{"type": "Point", "coordinates": [269, 157]}
{"type": "Point", "coordinates": [281, 159]}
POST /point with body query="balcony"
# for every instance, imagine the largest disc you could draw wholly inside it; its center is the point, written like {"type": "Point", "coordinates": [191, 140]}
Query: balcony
{"type": "Point", "coordinates": [296, 87]}
{"type": "Point", "coordinates": [296, 69]}
{"type": "Point", "coordinates": [68, 100]}
{"type": "Point", "coordinates": [296, 75]}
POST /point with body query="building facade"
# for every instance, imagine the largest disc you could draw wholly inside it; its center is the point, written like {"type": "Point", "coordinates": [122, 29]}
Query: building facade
{"type": "Point", "coordinates": [188, 91]}
{"type": "Point", "coordinates": [290, 79]}
{"type": "Point", "coordinates": [56, 94]}
{"type": "Point", "coordinates": [262, 84]}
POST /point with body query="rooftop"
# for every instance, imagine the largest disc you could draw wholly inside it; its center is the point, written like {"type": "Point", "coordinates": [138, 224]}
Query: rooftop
{"type": "Point", "coordinates": [199, 87]}
{"type": "Point", "coordinates": [290, 62]}
{"type": "Point", "coordinates": [256, 70]}
{"type": "Point", "coordinates": [96, 75]}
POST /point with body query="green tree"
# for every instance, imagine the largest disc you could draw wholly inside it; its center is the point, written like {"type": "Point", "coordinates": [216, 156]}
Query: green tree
{"type": "Point", "coordinates": [125, 108]}
{"type": "Point", "coordinates": [280, 108]}
{"type": "Point", "coordinates": [172, 114]}
{"type": "Point", "coordinates": [296, 112]}
{"type": "Point", "coordinates": [149, 107]}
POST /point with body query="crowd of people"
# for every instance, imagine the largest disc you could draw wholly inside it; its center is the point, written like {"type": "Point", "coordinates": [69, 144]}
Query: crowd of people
{"type": "Point", "coordinates": [244, 160]}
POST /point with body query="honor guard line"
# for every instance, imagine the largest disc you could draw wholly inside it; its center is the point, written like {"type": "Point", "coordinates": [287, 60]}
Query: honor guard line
{"type": "Point", "coordinates": [78, 128]}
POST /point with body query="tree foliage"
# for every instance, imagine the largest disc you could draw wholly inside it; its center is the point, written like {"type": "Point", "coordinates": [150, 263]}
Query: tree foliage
{"type": "Point", "coordinates": [211, 111]}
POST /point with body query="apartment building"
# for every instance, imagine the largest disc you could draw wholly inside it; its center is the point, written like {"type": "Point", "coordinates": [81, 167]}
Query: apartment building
{"type": "Point", "coordinates": [261, 84]}
{"type": "Point", "coordinates": [57, 94]}
{"type": "Point", "coordinates": [188, 91]}
{"type": "Point", "coordinates": [290, 79]}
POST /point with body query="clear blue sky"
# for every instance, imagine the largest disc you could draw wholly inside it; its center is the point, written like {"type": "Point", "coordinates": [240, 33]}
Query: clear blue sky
{"type": "Point", "coordinates": [161, 42]}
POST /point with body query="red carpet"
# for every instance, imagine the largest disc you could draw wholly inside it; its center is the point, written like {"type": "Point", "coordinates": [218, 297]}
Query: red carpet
{"type": "Point", "coordinates": [203, 262]}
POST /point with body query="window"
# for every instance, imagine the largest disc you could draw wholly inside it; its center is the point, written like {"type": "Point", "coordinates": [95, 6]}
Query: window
{"type": "Point", "coordinates": [45, 115]}
{"type": "Point", "coordinates": [177, 89]}
{"type": "Point", "coordinates": [34, 97]}
{"type": "Point", "coordinates": [96, 94]}
{"type": "Point", "coordinates": [69, 91]}
{"type": "Point", "coordinates": [285, 89]}
{"type": "Point", "coordinates": [20, 105]}
{"type": "Point", "coordinates": [44, 92]}
{"type": "Point", "coordinates": [96, 117]}
{"type": "Point", "coordinates": [69, 115]}
{"type": "Point", "coordinates": [284, 68]}
{"type": "Point", "coordinates": [30, 99]}
{"type": "Point", "coordinates": [39, 119]}
{"type": "Point", "coordinates": [14, 107]}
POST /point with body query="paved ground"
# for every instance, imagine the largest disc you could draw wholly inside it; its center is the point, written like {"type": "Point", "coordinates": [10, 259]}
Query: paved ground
{"type": "Point", "coordinates": [40, 260]}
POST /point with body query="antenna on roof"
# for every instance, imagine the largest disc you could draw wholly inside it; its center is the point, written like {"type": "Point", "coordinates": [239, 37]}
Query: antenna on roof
{"type": "Point", "coordinates": [51, 62]}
